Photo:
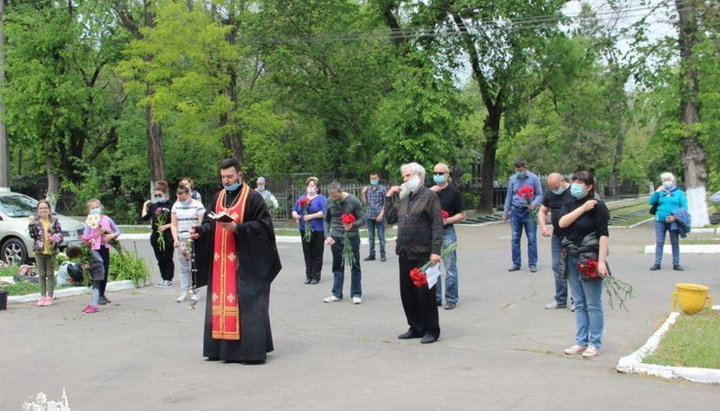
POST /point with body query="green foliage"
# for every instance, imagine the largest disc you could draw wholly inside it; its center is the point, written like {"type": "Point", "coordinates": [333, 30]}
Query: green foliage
{"type": "Point", "coordinates": [418, 121]}
{"type": "Point", "coordinates": [127, 265]}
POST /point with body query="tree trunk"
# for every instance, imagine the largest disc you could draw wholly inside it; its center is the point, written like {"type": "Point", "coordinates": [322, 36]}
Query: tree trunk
{"type": "Point", "coordinates": [693, 156]}
{"type": "Point", "coordinates": [156, 159]}
{"type": "Point", "coordinates": [4, 156]}
{"type": "Point", "coordinates": [234, 139]}
{"type": "Point", "coordinates": [492, 135]}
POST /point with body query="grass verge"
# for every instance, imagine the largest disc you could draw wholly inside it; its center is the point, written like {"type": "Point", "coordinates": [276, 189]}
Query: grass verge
{"type": "Point", "coordinates": [693, 341]}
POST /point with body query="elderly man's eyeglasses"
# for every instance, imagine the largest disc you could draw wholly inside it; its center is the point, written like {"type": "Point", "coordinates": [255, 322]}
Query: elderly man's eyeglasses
{"type": "Point", "coordinates": [439, 173]}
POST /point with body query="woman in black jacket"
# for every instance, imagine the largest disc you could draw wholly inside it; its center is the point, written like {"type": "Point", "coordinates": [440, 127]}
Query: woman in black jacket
{"type": "Point", "coordinates": [586, 244]}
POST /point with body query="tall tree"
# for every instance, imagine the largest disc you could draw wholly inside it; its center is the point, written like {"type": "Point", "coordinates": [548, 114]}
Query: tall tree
{"type": "Point", "coordinates": [57, 96]}
{"type": "Point", "coordinates": [134, 15]}
{"type": "Point", "coordinates": [693, 155]}
{"type": "Point", "coordinates": [505, 45]}
{"type": "Point", "coordinates": [4, 157]}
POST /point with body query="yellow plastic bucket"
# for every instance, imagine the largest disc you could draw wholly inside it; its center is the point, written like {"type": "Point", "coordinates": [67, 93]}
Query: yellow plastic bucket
{"type": "Point", "coordinates": [692, 298]}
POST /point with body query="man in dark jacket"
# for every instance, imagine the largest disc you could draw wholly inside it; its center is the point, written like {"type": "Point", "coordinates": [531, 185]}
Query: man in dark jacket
{"type": "Point", "coordinates": [419, 239]}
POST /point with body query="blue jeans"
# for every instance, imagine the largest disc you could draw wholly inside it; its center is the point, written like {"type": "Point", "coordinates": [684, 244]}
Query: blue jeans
{"type": "Point", "coordinates": [561, 284]}
{"type": "Point", "coordinates": [520, 218]}
{"type": "Point", "coordinates": [451, 272]}
{"type": "Point", "coordinates": [338, 268]}
{"type": "Point", "coordinates": [660, 228]}
{"type": "Point", "coordinates": [588, 306]}
{"type": "Point", "coordinates": [372, 226]}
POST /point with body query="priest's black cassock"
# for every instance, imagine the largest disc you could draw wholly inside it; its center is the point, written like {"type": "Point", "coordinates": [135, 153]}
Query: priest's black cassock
{"type": "Point", "coordinates": [258, 263]}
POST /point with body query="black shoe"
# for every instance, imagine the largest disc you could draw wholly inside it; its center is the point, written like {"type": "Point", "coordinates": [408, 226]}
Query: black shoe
{"type": "Point", "coordinates": [102, 300]}
{"type": "Point", "coordinates": [438, 303]}
{"type": "Point", "coordinates": [449, 306]}
{"type": "Point", "coordinates": [308, 281]}
{"type": "Point", "coordinates": [514, 268]}
{"type": "Point", "coordinates": [655, 267]}
{"type": "Point", "coordinates": [407, 335]}
{"type": "Point", "coordinates": [533, 269]}
{"type": "Point", "coordinates": [314, 281]}
{"type": "Point", "coordinates": [383, 259]}
{"type": "Point", "coordinates": [428, 339]}
{"type": "Point", "coordinates": [678, 267]}
{"type": "Point", "coordinates": [370, 258]}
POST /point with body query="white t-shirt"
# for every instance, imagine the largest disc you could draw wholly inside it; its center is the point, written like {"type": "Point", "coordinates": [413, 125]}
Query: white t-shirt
{"type": "Point", "coordinates": [187, 215]}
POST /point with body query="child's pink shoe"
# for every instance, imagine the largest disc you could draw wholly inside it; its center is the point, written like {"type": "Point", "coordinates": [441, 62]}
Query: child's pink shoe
{"type": "Point", "coordinates": [48, 301]}
{"type": "Point", "coordinates": [86, 308]}
{"type": "Point", "coordinates": [41, 302]}
{"type": "Point", "coordinates": [92, 310]}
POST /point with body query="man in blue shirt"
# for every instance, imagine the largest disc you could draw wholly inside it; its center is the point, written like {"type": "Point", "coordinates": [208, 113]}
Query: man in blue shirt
{"type": "Point", "coordinates": [524, 195]}
{"type": "Point", "coordinates": [373, 197]}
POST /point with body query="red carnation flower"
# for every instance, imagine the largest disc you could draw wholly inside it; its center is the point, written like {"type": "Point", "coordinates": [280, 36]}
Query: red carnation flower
{"type": "Point", "coordinates": [526, 192]}
{"type": "Point", "coordinates": [304, 202]}
{"type": "Point", "coordinates": [417, 277]}
{"type": "Point", "coordinates": [444, 214]}
{"type": "Point", "coordinates": [348, 218]}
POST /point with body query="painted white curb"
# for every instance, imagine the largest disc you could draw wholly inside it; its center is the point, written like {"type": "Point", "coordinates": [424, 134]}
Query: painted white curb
{"type": "Point", "coordinates": [633, 363]}
{"type": "Point", "coordinates": [687, 249]}
{"type": "Point", "coordinates": [72, 291]}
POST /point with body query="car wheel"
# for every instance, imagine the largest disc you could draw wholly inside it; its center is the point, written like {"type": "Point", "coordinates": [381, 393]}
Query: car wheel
{"type": "Point", "coordinates": [13, 251]}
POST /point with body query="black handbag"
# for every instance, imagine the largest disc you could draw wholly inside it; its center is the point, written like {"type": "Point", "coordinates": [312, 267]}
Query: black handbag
{"type": "Point", "coordinates": [653, 208]}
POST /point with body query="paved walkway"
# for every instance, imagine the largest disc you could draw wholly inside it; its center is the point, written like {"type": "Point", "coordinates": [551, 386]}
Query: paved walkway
{"type": "Point", "coordinates": [498, 350]}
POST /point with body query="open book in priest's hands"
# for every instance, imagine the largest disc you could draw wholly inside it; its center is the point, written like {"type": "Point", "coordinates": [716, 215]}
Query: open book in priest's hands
{"type": "Point", "coordinates": [221, 217]}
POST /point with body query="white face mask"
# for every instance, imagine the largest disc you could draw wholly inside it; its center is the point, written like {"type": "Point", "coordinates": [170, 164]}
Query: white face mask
{"type": "Point", "coordinates": [409, 186]}
{"type": "Point", "coordinates": [311, 190]}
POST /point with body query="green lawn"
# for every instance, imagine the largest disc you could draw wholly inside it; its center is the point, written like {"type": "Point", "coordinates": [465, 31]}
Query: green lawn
{"type": "Point", "coordinates": [693, 341]}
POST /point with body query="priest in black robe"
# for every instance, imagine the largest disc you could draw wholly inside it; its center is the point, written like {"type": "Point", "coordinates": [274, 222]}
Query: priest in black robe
{"type": "Point", "coordinates": [238, 261]}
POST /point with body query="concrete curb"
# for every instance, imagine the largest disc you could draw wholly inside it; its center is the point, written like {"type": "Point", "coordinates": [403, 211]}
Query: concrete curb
{"type": "Point", "coordinates": [687, 249]}
{"type": "Point", "coordinates": [71, 292]}
{"type": "Point", "coordinates": [633, 363]}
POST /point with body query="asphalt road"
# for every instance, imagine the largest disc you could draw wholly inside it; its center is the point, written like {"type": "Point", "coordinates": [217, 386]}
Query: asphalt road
{"type": "Point", "coordinates": [498, 350]}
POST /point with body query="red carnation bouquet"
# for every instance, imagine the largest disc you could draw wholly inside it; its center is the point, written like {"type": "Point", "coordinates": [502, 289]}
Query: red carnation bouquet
{"type": "Point", "coordinates": [347, 251]}
{"type": "Point", "coordinates": [444, 214]}
{"type": "Point", "coordinates": [613, 287]}
{"type": "Point", "coordinates": [528, 193]}
{"type": "Point", "coordinates": [304, 204]}
{"type": "Point", "coordinates": [417, 275]}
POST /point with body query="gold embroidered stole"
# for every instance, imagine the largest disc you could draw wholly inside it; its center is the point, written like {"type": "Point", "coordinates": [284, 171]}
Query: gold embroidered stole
{"type": "Point", "coordinates": [225, 304]}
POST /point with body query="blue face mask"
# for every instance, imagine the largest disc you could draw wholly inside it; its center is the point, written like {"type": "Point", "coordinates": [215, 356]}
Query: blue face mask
{"type": "Point", "coordinates": [232, 187]}
{"type": "Point", "coordinates": [669, 185]}
{"type": "Point", "coordinates": [439, 179]}
{"type": "Point", "coordinates": [96, 211]}
{"type": "Point", "coordinates": [158, 200]}
{"type": "Point", "coordinates": [521, 174]}
{"type": "Point", "coordinates": [186, 202]}
{"type": "Point", "coordinates": [260, 188]}
{"type": "Point", "coordinates": [374, 182]}
{"type": "Point", "coordinates": [559, 191]}
{"type": "Point", "coordinates": [577, 190]}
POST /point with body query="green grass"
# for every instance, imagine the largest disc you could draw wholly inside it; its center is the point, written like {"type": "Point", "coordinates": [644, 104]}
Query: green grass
{"type": "Point", "coordinates": [693, 341]}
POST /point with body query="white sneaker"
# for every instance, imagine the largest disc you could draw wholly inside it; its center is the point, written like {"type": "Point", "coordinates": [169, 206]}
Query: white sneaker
{"type": "Point", "coordinates": [357, 300]}
{"type": "Point", "coordinates": [591, 352]}
{"type": "Point", "coordinates": [194, 297]}
{"type": "Point", "coordinates": [554, 305]}
{"type": "Point", "coordinates": [183, 297]}
{"type": "Point", "coordinates": [164, 284]}
{"type": "Point", "coordinates": [331, 299]}
{"type": "Point", "coordinates": [575, 350]}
